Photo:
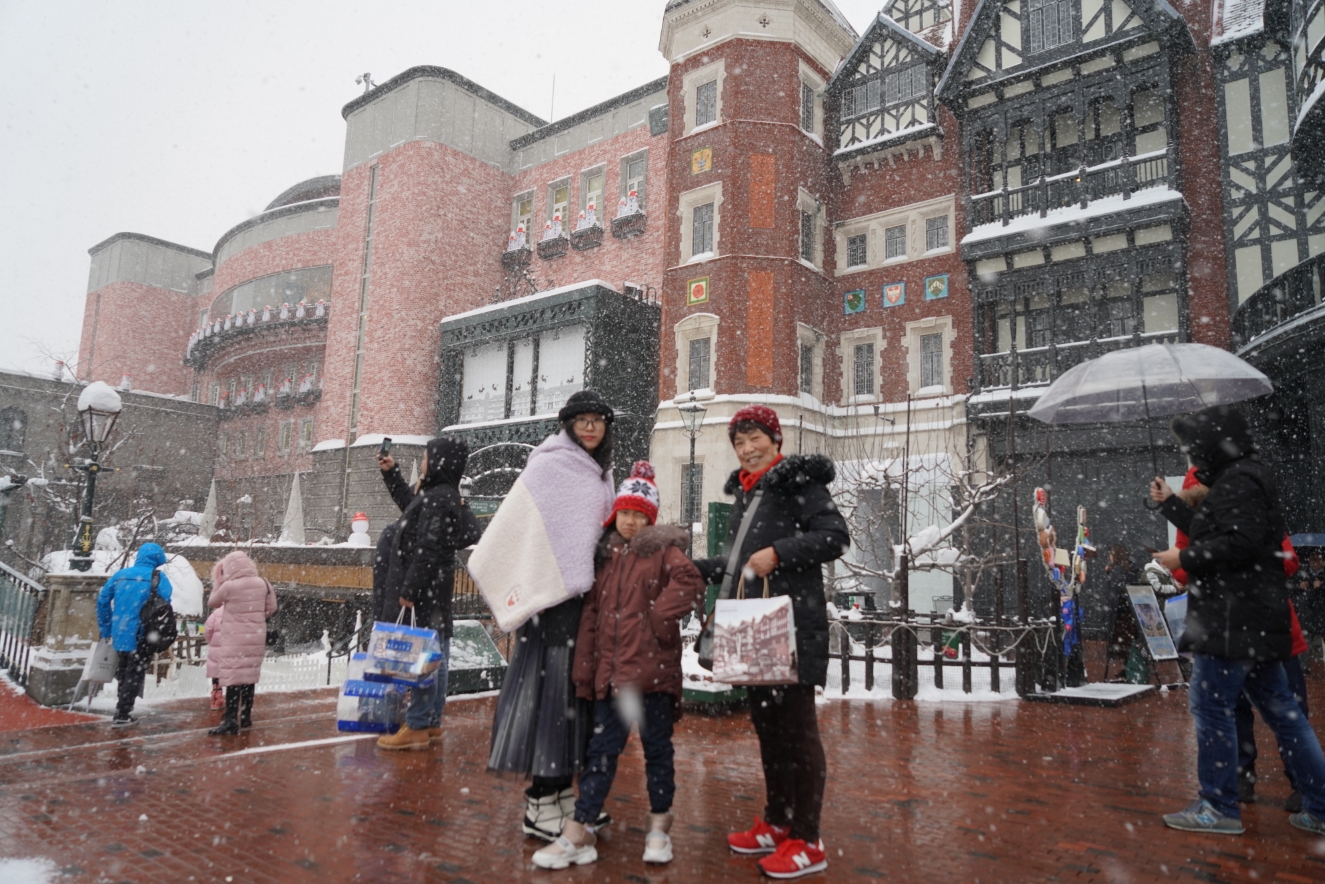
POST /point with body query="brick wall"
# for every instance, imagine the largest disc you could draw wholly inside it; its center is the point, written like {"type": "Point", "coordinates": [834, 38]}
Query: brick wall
{"type": "Point", "coordinates": [140, 331]}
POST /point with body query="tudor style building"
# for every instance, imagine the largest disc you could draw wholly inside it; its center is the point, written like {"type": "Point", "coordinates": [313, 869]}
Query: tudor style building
{"type": "Point", "coordinates": [890, 236]}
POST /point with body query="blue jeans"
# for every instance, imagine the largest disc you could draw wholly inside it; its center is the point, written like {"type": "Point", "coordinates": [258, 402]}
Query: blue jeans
{"type": "Point", "coordinates": [609, 738]}
{"type": "Point", "coordinates": [1215, 686]}
{"type": "Point", "coordinates": [426, 704]}
{"type": "Point", "coordinates": [1246, 720]}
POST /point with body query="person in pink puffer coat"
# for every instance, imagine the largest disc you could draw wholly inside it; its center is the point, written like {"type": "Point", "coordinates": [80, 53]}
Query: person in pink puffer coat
{"type": "Point", "coordinates": [237, 639]}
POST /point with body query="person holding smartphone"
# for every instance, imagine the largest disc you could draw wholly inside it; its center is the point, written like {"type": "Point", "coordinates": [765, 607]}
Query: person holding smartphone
{"type": "Point", "coordinates": [420, 568]}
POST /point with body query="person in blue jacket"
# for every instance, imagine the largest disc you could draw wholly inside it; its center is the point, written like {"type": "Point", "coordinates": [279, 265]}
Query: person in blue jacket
{"type": "Point", "coordinates": [118, 607]}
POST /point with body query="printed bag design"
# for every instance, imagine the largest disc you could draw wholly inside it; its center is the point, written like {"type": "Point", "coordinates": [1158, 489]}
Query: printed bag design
{"type": "Point", "coordinates": [400, 654]}
{"type": "Point", "coordinates": [754, 640]}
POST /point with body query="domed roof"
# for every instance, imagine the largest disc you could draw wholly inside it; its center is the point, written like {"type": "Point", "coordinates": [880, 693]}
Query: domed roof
{"type": "Point", "coordinates": [313, 189]}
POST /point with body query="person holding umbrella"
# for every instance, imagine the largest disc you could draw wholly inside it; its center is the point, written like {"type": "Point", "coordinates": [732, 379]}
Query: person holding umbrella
{"type": "Point", "coordinates": [1238, 621]}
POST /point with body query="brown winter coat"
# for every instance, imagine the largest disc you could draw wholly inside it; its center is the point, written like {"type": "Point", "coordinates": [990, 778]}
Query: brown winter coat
{"type": "Point", "coordinates": [630, 629]}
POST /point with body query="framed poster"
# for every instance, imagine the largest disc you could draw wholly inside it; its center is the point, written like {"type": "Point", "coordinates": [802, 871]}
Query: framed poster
{"type": "Point", "coordinates": [697, 291]}
{"type": "Point", "coordinates": [1153, 625]}
{"type": "Point", "coordinates": [936, 287]}
{"type": "Point", "coordinates": [894, 293]}
{"type": "Point", "coordinates": [853, 302]}
{"type": "Point", "coordinates": [701, 160]}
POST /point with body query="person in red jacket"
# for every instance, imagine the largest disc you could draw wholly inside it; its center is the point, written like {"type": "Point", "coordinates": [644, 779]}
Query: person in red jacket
{"type": "Point", "coordinates": [1192, 492]}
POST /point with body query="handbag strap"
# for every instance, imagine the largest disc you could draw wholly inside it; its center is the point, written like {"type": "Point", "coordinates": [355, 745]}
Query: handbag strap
{"type": "Point", "coordinates": [401, 616]}
{"type": "Point", "coordinates": [734, 555]}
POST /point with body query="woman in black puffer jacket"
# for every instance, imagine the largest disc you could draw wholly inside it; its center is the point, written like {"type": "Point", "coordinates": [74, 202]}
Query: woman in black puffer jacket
{"type": "Point", "coordinates": [796, 528]}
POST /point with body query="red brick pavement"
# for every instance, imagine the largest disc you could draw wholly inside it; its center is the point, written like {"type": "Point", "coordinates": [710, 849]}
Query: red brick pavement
{"type": "Point", "coordinates": [917, 792]}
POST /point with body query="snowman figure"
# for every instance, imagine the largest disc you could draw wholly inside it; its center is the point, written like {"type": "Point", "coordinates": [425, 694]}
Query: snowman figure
{"type": "Point", "coordinates": [359, 531]}
{"type": "Point", "coordinates": [321, 309]}
{"type": "Point", "coordinates": [266, 314]}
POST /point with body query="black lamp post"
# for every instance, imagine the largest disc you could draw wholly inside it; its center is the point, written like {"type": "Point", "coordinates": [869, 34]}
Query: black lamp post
{"type": "Point", "coordinates": [692, 419]}
{"type": "Point", "coordinates": [98, 408]}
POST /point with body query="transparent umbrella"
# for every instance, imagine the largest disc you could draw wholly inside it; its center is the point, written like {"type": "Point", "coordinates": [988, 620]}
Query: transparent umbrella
{"type": "Point", "coordinates": [1139, 383]}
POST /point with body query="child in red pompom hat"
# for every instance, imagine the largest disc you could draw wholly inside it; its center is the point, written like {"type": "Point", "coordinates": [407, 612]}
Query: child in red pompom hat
{"type": "Point", "coordinates": [628, 662]}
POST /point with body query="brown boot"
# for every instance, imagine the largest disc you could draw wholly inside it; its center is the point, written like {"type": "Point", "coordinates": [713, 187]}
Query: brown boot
{"type": "Point", "coordinates": [434, 735]}
{"type": "Point", "coordinates": [404, 739]}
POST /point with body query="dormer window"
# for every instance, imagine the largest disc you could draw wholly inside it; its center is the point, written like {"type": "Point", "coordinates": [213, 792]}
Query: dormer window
{"type": "Point", "coordinates": [1047, 24]}
{"type": "Point", "coordinates": [889, 89]}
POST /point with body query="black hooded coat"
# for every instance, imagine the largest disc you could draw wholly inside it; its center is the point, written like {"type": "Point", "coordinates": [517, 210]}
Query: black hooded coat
{"type": "Point", "coordinates": [797, 517]}
{"type": "Point", "coordinates": [1237, 606]}
{"type": "Point", "coordinates": [434, 523]}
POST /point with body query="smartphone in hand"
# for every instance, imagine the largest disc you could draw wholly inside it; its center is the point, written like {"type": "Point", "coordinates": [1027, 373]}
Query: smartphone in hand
{"type": "Point", "coordinates": [385, 448]}
{"type": "Point", "coordinates": [1150, 549]}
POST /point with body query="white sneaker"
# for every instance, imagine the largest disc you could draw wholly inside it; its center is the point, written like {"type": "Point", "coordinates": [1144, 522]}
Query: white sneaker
{"type": "Point", "coordinates": [564, 852]}
{"type": "Point", "coordinates": [658, 848]}
{"type": "Point", "coordinates": [658, 844]}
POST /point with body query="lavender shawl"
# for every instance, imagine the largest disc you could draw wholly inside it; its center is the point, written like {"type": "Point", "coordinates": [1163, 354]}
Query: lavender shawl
{"type": "Point", "coordinates": [539, 549]}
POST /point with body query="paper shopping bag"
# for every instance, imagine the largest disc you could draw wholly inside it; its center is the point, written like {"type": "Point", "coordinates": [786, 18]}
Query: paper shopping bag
{"type": "Point", "coordinates": [754, 640]}
{"type": "Point", "coordinates": [101, 663]}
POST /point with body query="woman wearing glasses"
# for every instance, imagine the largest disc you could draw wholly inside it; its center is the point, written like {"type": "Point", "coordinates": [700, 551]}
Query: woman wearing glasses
{"type": "Point", "coordinates": [548, 528]}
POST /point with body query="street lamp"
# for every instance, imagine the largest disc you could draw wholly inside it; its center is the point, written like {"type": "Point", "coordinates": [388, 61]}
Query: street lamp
{"type": "Point", "coordinates": [98, 408]}
{"type": "Point", "coordinates": [692, 419]}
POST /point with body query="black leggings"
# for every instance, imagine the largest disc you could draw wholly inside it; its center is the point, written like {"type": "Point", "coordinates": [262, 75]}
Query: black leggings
{"type": "Point", "coordinates": [795, 770]}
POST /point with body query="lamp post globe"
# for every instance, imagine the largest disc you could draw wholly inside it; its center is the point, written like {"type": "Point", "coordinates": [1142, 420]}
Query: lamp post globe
{"type": "Point", "coordinates": [99, 407]}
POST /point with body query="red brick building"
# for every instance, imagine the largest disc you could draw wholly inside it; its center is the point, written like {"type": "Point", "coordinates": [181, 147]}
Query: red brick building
{"type": "Point", "coordinates": [844, 225]}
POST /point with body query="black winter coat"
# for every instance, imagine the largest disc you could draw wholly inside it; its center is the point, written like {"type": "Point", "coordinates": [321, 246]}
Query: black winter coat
{"type": "Point", "coordinates": [434, 523]}
{"type": "Point", "coordinates": [1237, 607]}
{"type": "Point", "coordinates": [797, 517]}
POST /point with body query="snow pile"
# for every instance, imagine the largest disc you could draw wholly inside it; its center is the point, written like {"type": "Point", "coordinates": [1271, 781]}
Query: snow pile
{"type": "Point", "coordinates": [185, 586]}
{"type": "Point", "coordinates": [99, 396]}
{"type": "Point", "coordinates": [28, 871]}
{"type": "Point", "coordinates": [695, 677]}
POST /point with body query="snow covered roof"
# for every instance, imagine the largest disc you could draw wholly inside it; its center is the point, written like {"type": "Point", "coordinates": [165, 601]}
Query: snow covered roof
{"type": "Point", "coordinates": [529, 299]}
{"type": "Point", "coordinates": [312, 189]}
{"type": "Point", "coordinates": [1235, 19]}
{"type": "Point", "coordinates": [828, 5]}
{"type": "Point", "coordinates": [884, 23]}
{"type": "Point", "coordinates": [1071, 214]}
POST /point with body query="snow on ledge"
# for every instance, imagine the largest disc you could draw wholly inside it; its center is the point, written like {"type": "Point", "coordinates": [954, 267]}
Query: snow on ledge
{"type": "Point", "coordinates": [502, 305]}
{"type": "Point", "coordinates": [329, 445]}
{"type": "Point", "coordinates": [1108, 205]}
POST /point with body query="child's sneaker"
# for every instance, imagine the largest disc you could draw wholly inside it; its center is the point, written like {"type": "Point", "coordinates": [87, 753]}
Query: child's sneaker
{"type": "Point", "coordinates": [658, 844]}
{"type": "Point", "coordinates": [794, 858]}
{"type": "Point", "coordinates": [762, 838]}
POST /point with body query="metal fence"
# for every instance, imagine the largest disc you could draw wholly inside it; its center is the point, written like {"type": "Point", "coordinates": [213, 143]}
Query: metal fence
{"type": "Point", "coordinates": [19, 598]}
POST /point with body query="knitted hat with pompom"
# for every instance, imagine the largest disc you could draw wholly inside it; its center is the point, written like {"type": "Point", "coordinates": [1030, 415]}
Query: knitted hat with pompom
{"type": "Point", "coordinates": [637, 493]}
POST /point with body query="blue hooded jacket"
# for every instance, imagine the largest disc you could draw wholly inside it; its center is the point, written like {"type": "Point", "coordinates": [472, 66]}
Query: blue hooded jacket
{"type": "Point", "coordinates": [121, 599]}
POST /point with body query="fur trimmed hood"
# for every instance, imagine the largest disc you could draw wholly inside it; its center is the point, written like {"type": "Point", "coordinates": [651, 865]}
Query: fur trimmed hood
{"type": "Point", "coordinates": [654, 538]}
{"type": "Point", "coordinates": [791, 472]}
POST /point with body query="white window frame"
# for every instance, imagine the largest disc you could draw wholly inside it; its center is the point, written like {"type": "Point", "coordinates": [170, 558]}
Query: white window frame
{"type": "Point", "coordinates": [643, 191]}
{"type": "Point", "coordinates": [567, 224]}
{"type": "Point", "coordinates": [913, 217]}
{"type": "Point", "coordinates": [806, 202]}
{"type": "Point", "coordinates": [816, 83]}
{"type": "Point", "coordinates": [847, 362]}
{"type": "Point", "coordinates": [917, 329]}
{"type": "Point", "coordinates": [600, 170]}
{"type": "Point", "coordinates": [284, 437]}
{"type": "Point", "coordinates": [688, 202]}
{"type": "Point", "coordinates": [260, 442]}
{"type": "Point", "coordinates": [694, 327]}
{"type": "Point", "coordinates": [807, 336]}
{"type": "Point", "coordinates": [305, 435]}
{"type": "Point", "coordinates": [516, 217]}
{"type": "Point", "coordinates": [717, 71]}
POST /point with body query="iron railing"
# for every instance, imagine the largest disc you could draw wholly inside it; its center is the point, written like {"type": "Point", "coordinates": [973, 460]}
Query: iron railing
{"type": "Point", "coordinates": [1080, 187]}
{"type": "Point", "coordinates": [1296, 292]}
{"type": "Point", "coordinates": [19, 599]}
{"type": "Point", "coordinates": [1043, 365]}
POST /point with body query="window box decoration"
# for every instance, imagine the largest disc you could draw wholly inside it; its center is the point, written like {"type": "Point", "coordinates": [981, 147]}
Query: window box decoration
{"type": "Point", "coordinates": [555, 247]}
{"type": "Point", "coordinates": [626, 226]}
{"type": "Point", "coordinates": [586, 238]}
{"type": "Point", "coordinates": [513, 259]}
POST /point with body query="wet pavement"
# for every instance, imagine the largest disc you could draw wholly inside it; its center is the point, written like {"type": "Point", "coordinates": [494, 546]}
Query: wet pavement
{"type": "Point", "coordinates": [947, 792]}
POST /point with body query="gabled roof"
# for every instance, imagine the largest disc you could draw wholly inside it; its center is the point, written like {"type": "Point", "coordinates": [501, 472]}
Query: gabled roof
{"type": "Point", "coordinates": [1160, 18]}
{"type": "Point", "coordinates": [829, 6]}
{"type": "Point", "coordinates": [881, 26]}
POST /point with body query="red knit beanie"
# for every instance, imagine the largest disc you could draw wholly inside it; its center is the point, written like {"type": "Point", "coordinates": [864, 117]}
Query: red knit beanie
{"type": "Point", "coordinates": [637, 493]}
{"type": "Point", "coordinates": [765, 417]}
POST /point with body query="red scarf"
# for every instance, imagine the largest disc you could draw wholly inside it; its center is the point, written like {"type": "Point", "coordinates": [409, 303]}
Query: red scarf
{"type": "Point", "coordinates": [749, 480]}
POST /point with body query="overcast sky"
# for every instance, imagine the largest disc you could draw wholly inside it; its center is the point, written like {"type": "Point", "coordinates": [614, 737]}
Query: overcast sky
{"type": "Point", "coordinates": [181, 119]}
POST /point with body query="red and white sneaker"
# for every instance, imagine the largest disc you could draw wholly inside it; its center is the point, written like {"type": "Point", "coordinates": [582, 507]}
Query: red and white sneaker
{"type": "Point", "coordinates": [763, 838]}
{"type": "Point", "coordinates": [794, 858]}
